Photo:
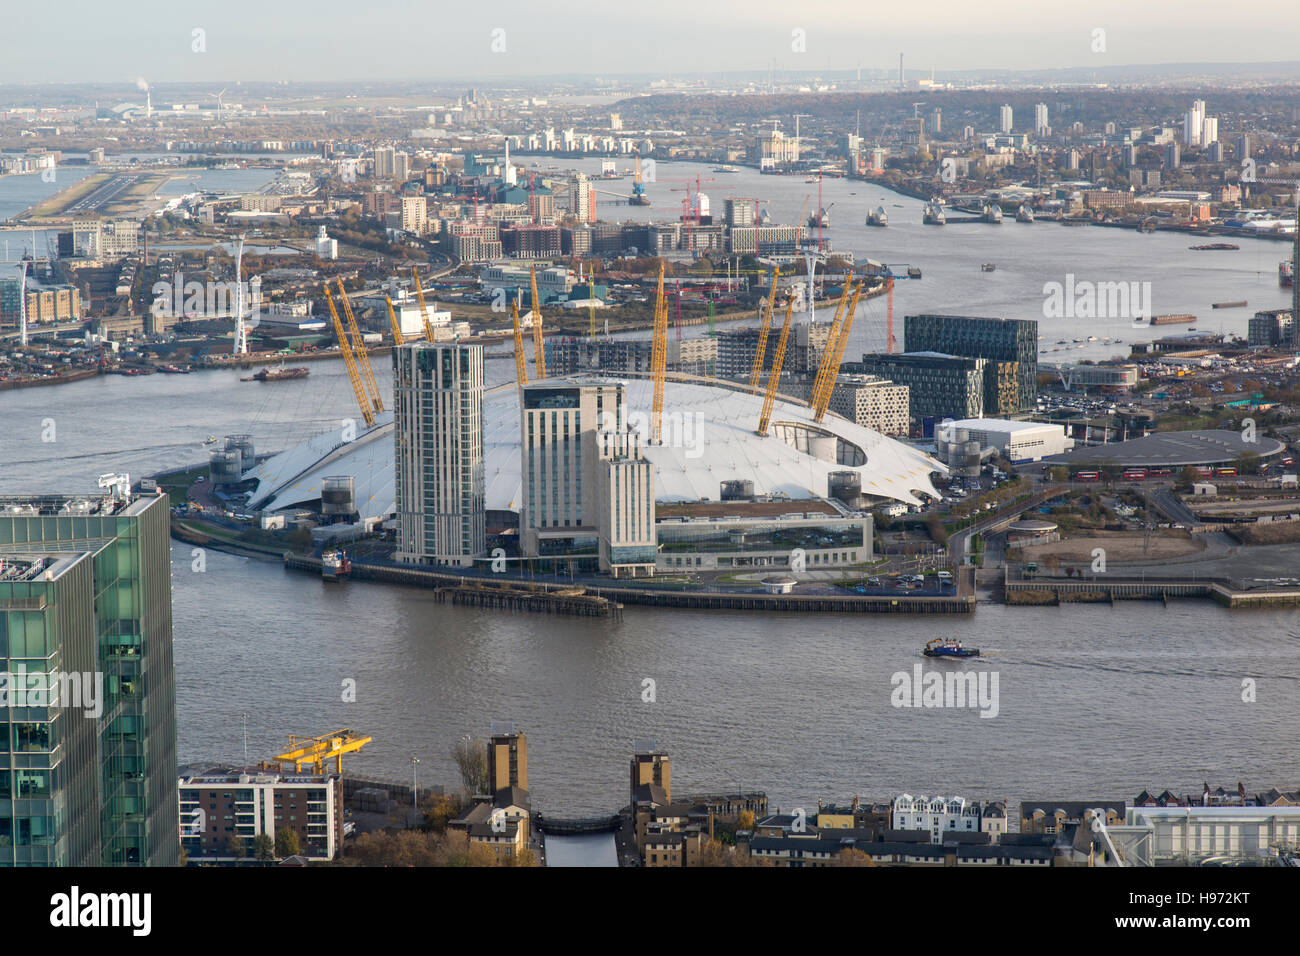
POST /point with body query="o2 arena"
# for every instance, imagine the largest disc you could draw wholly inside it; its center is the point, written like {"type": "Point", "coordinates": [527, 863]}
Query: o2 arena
{"type": "Point", "coordinates": [709, 436]}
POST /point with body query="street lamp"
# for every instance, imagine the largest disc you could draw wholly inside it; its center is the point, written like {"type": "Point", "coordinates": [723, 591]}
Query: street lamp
{"type": "Point", "coordinates": [415, 784]}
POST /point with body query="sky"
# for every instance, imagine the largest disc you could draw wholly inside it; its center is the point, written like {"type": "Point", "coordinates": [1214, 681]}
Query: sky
{"type": "Point", "coordinates": [297, 41]}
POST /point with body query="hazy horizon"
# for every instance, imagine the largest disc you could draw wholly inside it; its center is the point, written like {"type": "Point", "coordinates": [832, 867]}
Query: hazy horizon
{"type": "Point", "coordinates": [404, 40]}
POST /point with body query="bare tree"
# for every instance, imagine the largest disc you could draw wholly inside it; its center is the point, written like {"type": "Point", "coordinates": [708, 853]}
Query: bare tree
{"type": "Point", "coordinates": [471, 756]}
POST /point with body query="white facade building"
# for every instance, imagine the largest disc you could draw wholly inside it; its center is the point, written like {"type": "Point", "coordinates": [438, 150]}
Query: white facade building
{"type": "Point", "coordinates": [937, 815]}
{"type": "Point", "coordinates": [1017, 441]}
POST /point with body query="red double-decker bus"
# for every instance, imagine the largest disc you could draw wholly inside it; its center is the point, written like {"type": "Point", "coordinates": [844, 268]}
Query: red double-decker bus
{"type": "Point", "coordinates": [1225, 472]}
{"type": "Point", "coordinates": [1087, 476]}
{"type": "Point", "coordinates": [1135, 474]}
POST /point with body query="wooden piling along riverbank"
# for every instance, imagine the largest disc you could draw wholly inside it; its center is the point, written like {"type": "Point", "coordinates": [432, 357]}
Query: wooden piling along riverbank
{"type": "Point", "coordinates": [609, 601]}
{"type": "Point", "coordinates": [474, 592]}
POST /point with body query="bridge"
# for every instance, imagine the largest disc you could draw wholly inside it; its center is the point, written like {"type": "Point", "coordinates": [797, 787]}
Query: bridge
{"type": "Point", "coordinates": [556, 826]}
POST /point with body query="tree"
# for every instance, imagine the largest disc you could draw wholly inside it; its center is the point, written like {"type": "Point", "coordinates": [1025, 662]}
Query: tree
{"type": "Point", "coordinates": [745, 820]}
{"type": "Point", "coordinates": [1189, 475]}
{"type": "Point", "coordinates": [263, 848]}
{"type": "Point", "coordinates": [850, 856]}
{"type": "Point", "coordinates": [286, 842]}
{"type": "Point", "coordinates": [471, 756]}
{"type": "Point", "coordinates": [235, 846]}
{"type": "Point", "coordinates": [1059, 473]}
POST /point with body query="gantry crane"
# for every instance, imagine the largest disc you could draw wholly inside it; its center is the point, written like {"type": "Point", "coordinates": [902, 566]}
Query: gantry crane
{"type": "Point", "coordinates": [350, 361]}
{"type": "Point", "coordinates": [539, 349]}
{"type": "Point", "coordinates": [359, 347]}
{"type": "Point", "coordinates": [833, 372]}
{"type": "Point", "coordinates": [317, 751]}
{"type": "Point", "coordinates": [764, 326]}
{"type": "Point", "coordinates": [659, 358]}
{"type": "Point", "coordinates": [828, 351]}
{"type": "Point", "coordinates": [774, 378]}
{"type": "Point", "coordinates": [424, 312]}
{"type": "Point", "coordinates": [392, 320]}
{"type": "Point", "coordinates": [521, 370]}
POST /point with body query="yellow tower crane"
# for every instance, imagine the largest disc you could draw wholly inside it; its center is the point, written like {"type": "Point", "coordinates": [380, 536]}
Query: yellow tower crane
{"type": "Point", "coordinates": [539, 350]}
{"type": "Point", "coordinates": [521, 370]}
{"type": "Point", "coordinates": [764, 326]}
{"type": "Point", "coordinates": [317, 751]}
{"type": "Point", "coordinates": [392, 320]}
{"type": "Point", "coordinates": [659, 358]}
{"type": "Point", "coordinates": [834, 372]}
{"type": "Point", "coordinates": [819, 381]}
{"type": "Point", "coordinates": [350, 361]}
{"type": "Point", "coordinates": [774, 379]}
{"type": "Point", "coordinates": [359, 347]}
{"type": "Point", "coordinates": [424, 311]}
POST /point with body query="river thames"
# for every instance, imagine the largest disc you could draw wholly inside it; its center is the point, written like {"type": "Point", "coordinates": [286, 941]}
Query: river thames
{"type": "Point", "coordinates": [1094, 701]}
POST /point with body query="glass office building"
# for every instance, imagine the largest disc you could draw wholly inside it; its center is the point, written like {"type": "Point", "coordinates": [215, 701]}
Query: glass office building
{"type": "Point", "coordinates": [88, 702]}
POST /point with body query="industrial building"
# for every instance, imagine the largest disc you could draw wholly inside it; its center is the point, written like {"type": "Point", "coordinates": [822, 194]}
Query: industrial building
{"type": "Point", "coordinates": [89, 778]}
{"type": "Point", "coordinates": [1018, 442]}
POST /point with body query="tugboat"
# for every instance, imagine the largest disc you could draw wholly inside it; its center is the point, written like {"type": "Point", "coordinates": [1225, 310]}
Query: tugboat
{"type": "Point", "coordinates": [988, 267]}
{"type": "Point", "coordinates": [334, 565]}
{"type": "Point", "coordinates": [941, 647]}
{"type": "Point", "coordinates": [878, 218]}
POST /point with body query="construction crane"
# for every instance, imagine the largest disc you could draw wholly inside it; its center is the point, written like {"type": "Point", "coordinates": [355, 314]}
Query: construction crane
{"type": "Point", "coordinates": [833, 372]}
{"type": "Point", "coordinates": [359, 347]}
{"type": "Point", "coordinates": [350, 361]}
{"type": "Point", "coordinates": [764, 326]}
{"type": "Point", "coordinates": [424, 311]}
{"type": "Point", "coordinates": [392, 320]}
{"type": "Point", "coordinates": [659, 358]}
{"type": "Point", "coordinates": [639, 198]}
{"type": "Point", "coordinates": [539, 349]}
{"type": "Point", "coordinates": [829, 350]}
{"type": "Point", "coordinates": [317, 751]}
{"type": "Point", "coordinates": [890, 274]}
{"type": "Point", "coordinates": [774, 377]}
{"type": "Point", "coordinates": [521, 371]}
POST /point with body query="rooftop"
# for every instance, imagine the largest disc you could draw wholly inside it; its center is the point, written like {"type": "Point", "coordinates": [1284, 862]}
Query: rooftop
{"type": "Point", "coordinates": [1173, 449]}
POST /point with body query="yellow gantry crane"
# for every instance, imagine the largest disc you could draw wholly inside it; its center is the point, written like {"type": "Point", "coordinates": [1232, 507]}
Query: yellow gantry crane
{"type": "Point", "coordinates": [539, 349]}
{"type": "Point", "coordinates": [359, 347]}
{"type": "Point", "coordinates": [521, 370]}
{"type": "Point", "coordinates": [392, 320]}
{"type": "Point", "coordinates": [350, 361]}
{"type": "Point", "coordinates": [774, 379]}
{"type": "Point", "coordinates": [764, 326]}
{"type": "Point", "coordinates": [424, 311]}
{"type": "Point", "coordinates": [834, 371]}
{"type": "Point", "coordinates": [659, 358]}
{"type": "Point", "coordinates": [316, 751]}
{"type": "Point", "coordinates": [823, 367]}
